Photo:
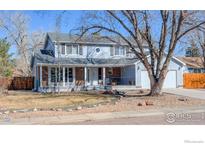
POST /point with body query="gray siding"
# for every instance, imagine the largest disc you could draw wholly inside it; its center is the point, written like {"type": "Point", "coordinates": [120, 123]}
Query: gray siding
{"type": "Point", "coordinates": [174, 65]}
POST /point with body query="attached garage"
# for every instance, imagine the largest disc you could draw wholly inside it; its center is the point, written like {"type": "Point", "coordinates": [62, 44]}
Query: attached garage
{"type": "Point", "coordinates": [174, 78]}
{"type": "Point", "coordinates": [170, 80]}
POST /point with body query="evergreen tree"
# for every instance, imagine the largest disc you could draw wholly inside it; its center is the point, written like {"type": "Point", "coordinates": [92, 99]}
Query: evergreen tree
{"type": "Point", "coordinates": [5, 59]}
{"type": "Point", "coordinates": [193, 50]}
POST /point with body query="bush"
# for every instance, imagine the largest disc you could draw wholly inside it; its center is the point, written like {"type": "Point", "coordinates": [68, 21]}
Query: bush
{"type": "Point", "coordinates": [4, 85]}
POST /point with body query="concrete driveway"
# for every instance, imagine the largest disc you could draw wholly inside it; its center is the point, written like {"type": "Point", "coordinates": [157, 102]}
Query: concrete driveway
{"type": "Point", "coordinates": [194, 93]}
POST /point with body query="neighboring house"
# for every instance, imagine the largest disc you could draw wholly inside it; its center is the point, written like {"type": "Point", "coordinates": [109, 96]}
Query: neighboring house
{"type": "Point", "coordinates": [69, 63]}
{"type": "Point", "coordinates": [193, 64]}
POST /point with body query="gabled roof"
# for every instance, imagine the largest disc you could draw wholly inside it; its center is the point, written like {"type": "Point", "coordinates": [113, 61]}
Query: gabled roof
{"type": "Point", "coordinates": [66, 38]}
{"type": "Point", "coordinates": [193, 62]}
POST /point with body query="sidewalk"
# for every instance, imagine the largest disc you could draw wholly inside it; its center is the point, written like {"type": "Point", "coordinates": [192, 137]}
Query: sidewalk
{"type": "Point", "coordinates": [194, 93]}
{"type": "Point", "coordinates": [99, 116]}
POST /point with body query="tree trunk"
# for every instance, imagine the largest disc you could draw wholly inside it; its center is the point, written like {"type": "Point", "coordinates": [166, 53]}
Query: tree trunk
{"type": "Point", "coordinates": [156, 86]}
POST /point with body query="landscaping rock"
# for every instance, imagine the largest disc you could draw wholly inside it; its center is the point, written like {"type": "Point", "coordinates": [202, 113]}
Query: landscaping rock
{"type": "Point", "coordinates": [53, 109]}
{"type": "Point", "coordinates": [69, 110]}
{"type": "Point", "coordinates": [147, 103]}
{"type": "Point", "coordinates": [182, 99]}
{"type": "Point", "coordinates": [6, 112]}
{"type": "Point", "coordinates": [79, 108]}
{"type": "Point", "coordinates": [59, 109]}
{"type": "Point", "coordinates": [141, 104]}
{"type": "Point", "coordinates": [14, 111]}
{"type": "Point", "coordinates": [116, 102]}
{"type": "Point", "coordinates": [35, 109]}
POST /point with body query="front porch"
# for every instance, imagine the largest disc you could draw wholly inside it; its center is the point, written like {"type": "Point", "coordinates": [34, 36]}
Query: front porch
{"type": "Point", "coordinates": [67, 78]}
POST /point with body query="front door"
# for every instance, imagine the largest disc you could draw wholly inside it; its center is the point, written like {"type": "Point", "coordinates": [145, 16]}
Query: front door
{"type": "Point", "coordinates": [79, 75]}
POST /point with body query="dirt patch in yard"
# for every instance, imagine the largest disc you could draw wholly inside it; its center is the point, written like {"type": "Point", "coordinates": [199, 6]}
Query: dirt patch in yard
{"type": "Point", "coordinates": [124, 104]}
{"type": "Point", "coordinates": [29, 100]}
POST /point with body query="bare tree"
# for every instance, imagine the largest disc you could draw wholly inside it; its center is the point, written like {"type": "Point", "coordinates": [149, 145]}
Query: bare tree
{"type": "Point", "coordinates": [15, 27]}
{"type": "Point", "coordinates": [199, 38]}
{"type": "Point", "coordinates": [58, 23]}
{"type": "Point", "coordinates": [138, 29]}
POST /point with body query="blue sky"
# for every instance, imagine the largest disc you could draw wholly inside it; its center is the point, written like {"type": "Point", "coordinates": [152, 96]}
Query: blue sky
{"type": "Point", "coordinates": [45, 21]}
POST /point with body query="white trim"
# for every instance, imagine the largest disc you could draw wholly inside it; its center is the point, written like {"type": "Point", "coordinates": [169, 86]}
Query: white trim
{"type": "Point", "coordinates": [49, 76]}
{"type": "Point", "coordinates": [74, 75]}
{"type": "Point", "coordinates": [104, 75]}
{"type": "Point", "coordinates": [41, 76]}
{"type": "Point", "coordinates": [85, 75]}
{"type": "Point", "coordinates": [87, 65]}
{"type": "Point", "coordinates": [63, 76]}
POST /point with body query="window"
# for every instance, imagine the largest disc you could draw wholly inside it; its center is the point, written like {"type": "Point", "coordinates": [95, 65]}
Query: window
{"type": "Point", "coordinates": [111, 51]}
{"type": "Point", "coordinates": [53, 74]}
{"type": "Point", "coordinates": [69, 49]}
{"type": "Point", "coordinates": [70, 75]}
{"type": "Point", "coordinates": [99, 73]}
{"type": "Point", "coordinates": [97, 50]}
{"type": "Point", "coordinates": [80, 50]}
{"type": "Point", "coordinates": [119, 50]}
{"type": "Point", "coordinates": [63, 49]}
{"type": "Point", "coordinates": [75, 49]}
{"type": "Point", "coordinates": [66, 74]}
{"type": "Point", "coordinates": [197, 70]}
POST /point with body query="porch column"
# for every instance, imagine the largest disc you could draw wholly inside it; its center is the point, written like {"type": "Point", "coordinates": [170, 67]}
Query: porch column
{"type": "Point", "coordinates": [68, 83]}
{"type": "Point", "coordinates": [74, 75]}
{"type": "Point", "coordinates": [103, 76]}
{"type": "Point", "coordinates": [136, 70]}
{"type": "Point", "coordinates": [63, 76]}
{"type": "Point", "coordinates": [85, 75]}
{"type": "Point", "coordinates": [41, 76]}
{"type": "Point", "coordinates": [36, 79]}
{"type": "Point", "coordinates": [49, 76]}
{"type": "Point", "coordinates": [56, 76]}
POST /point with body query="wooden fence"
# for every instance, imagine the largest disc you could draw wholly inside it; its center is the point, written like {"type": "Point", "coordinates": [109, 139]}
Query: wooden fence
{"type": "Point", "coordinates": [194, 80]}
{"type": "Point", "coordinates": [17, 83]}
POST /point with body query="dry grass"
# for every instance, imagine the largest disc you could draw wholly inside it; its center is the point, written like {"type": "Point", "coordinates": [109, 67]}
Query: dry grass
{"type": "Point", "coordinates": [29, 100]}
{"type": "Point", "coordinates": [124, 104]}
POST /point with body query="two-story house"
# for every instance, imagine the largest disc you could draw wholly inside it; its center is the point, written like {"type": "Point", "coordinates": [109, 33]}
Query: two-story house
{"type": "Point", "coordinates": [69, 63]}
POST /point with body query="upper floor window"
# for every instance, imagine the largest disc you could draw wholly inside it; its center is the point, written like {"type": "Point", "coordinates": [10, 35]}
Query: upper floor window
{"type": "Point", "coordinates": [69, 49]}
{"type": "Point", "coordinates": [119, 50]}
{"type": "Point", "coordinates": [75, 49]}
{"type": "Point", "coordinates": [97, 50]}
{"type": "Point", "coordinates": [63, 49]}
{"type": "Point", "coordinates": [72, 49]}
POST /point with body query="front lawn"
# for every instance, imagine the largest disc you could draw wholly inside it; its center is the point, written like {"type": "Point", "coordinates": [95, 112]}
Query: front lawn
{"type": "Point", "coordinates": [29, 100]}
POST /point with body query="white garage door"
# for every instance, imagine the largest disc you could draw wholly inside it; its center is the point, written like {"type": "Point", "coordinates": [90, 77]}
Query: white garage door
{"type": "Point", "coordinates": [170, 80]}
